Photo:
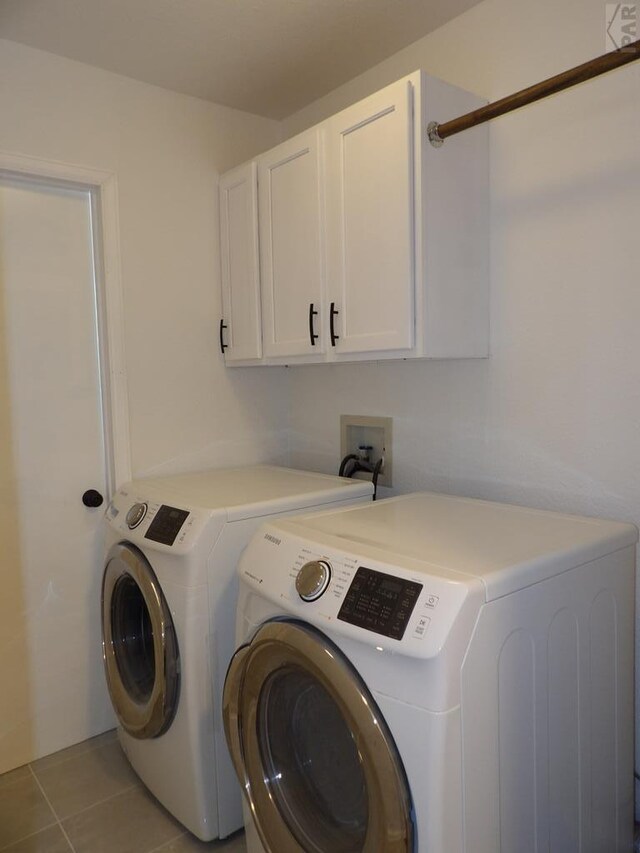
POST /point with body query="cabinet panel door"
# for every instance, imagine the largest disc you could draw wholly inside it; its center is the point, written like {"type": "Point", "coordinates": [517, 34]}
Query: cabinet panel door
{"type": "Point", "coordinates": [240, 273]}
{"type": "Point", "coordinates": [291, 218]}
{"type": "Point", "coordinates": [370, 222]}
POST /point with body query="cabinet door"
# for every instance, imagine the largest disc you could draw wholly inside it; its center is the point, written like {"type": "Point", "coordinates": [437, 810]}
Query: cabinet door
{"type": "Point", "coordinates": [240, 325]}
{"type": "Point", "coordinates": [370, 223]}
{"type": "Point", "coordinates": [291, 219]}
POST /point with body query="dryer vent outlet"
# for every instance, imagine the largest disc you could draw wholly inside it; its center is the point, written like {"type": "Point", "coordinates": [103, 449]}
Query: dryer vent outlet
{"type": "Point", "coordinates": [375, 434]}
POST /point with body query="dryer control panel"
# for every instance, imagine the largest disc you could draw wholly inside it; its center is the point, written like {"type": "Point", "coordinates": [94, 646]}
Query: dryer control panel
{"type": "Point", "coordinates": [150, 523]}
{"type": "Point", "coordinates": [166, 524]}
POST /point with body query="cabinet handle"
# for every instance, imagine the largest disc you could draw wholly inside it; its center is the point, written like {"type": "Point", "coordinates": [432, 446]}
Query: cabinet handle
{"type": "Point", "coordinates": [223, 346]}
{"type": "Point", "coordinates": [333, 312]}
{"type": "Point", "coordinates": [312, 335]}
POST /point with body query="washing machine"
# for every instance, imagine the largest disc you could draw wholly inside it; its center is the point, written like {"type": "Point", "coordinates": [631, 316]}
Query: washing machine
{"type": "Point", "coordinates": [168, 604]}
{"type": "Point", "coordinates": [435, 674]}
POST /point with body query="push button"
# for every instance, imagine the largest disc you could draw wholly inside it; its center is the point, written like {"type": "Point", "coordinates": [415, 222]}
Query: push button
{"type": "Point", "coordinates": [422, 626]}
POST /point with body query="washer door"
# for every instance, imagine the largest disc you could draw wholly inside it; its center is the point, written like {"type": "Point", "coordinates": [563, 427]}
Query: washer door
{"type": "Point", "coordinates": [139, 644]}
{"type": "Point", "coordinates": [312, 752]}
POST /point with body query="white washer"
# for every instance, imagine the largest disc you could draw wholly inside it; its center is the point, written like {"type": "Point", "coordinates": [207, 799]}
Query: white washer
{"type": "Point", "coordinates": [459, 678]}
{"type": "Point", "coordinates": [168, 606]}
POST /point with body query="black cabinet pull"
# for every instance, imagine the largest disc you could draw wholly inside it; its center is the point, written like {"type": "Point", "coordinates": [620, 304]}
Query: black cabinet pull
{"type": "Point", "coordinates": [312, 335]}
{"type": "Point", "coordinates": [223, 346]}
{"type": "Point", "coordinates": [333, 312]}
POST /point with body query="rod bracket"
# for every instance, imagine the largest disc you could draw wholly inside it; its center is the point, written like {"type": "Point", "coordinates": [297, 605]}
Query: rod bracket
{"type": "Point", "coordinates": [433, 136]}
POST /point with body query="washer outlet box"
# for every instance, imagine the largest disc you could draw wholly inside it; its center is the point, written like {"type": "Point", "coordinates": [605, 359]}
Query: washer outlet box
{"type": "Point", "coordinates": [357, 431]}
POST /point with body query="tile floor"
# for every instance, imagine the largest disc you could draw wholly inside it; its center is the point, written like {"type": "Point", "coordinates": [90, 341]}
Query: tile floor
{"type": "Point", "coordinates": [87, 799]}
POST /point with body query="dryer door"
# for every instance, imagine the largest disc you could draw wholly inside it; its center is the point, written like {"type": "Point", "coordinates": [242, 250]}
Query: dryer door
{"type": "Point", "coordinates": [312, 752]}
{"type": "Point", "coordinates": [139, 644]}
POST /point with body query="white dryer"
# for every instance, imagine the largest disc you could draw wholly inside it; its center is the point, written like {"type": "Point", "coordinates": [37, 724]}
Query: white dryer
{"type": "Point", "coordinates": [435, 674]}
{"type": "Point", "coordinates": [168, 606]}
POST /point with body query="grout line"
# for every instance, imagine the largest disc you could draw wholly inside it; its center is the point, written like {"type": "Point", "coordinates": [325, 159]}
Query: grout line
{"type": "Point", "coordinates": [82, 811]}
{"type": "Point", "coordinates": [27, 837]}
{"type": "Point", "coordinates": [64, 832]}
{"type": "Point", "coordinates": [53, 811]}
{"type": "Point", "coordinates": [104, 800]}
{"type": "Point", "coordinates": [168, 841]}
{"type": "Point", "coordinates": [82, 752]}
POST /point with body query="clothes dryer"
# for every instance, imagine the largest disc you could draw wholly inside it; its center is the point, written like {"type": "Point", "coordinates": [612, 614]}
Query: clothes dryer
{"type": "Point", "coordinates": [168, 604]}
{"type": "Point", "coordinates": [435, 674]}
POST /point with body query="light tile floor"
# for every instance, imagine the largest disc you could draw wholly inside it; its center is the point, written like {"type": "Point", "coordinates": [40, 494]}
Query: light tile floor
{"type": "Point", "coordinates": [87, 799]}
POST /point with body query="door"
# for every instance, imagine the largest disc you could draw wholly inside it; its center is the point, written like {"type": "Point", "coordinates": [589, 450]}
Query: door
{"type": "Point", "coordinates": [240, 333]}
{"type": "Point", "coordinates": [370, 223]}
{"type": "Point", "coordinates": [140, 647]}
{"type": "Point", "coordinates": [52, 449]}
{"type": "Point", "coordinates": [291, 216]}
{"type": "Point", "coordinates": [311, 750]}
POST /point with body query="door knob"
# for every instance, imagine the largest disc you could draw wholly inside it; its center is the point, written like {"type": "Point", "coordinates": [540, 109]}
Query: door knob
{"type": "Point", "coordinates": [92, 498]}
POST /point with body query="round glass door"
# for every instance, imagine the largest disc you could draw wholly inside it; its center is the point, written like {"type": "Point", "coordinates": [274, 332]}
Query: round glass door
{"type": "Point", "coordinates": [139, 644]}
{"type": "Point", "coordinates": [313, 754]}
{"type": "Point", "coordinates": [311, 759]}
{"type": "Point", "coordinates": [132, 632]}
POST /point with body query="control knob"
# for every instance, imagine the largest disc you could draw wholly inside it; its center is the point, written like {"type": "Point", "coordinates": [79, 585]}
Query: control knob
{"type": "Point", "coordinates": [135, 515]}
{"type": "Point", "coordinates": [313, 579]}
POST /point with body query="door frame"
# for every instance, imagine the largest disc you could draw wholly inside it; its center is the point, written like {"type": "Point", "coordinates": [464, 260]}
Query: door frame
{"type": "Point", "coordinates": [103, 190]}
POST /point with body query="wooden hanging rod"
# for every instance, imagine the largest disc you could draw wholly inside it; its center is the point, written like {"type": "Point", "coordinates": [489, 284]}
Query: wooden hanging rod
{"type": "Point", "coordinates": [437, 133]}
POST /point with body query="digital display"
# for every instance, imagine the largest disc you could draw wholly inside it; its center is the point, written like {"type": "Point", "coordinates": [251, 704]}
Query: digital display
{"type": "Point", "coordinates": [166, 525]}
{"type": "Point", "coordinates": [379, 602]}
{"type": "Point", "coordinates": [393, 587]}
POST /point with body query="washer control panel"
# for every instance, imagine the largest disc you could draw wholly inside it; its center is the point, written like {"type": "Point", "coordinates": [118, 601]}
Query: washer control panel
{"type": "Point", "coordinates": [380, 602]}
{"type": "Point", "coordinates": [400, 605]}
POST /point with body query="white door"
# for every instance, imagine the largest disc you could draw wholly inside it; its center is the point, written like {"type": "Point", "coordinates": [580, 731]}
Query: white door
{"type": "Point", "coordinates": [240, 334]}
{"type": "Point", "coordinates": [291, 220]}
{"type": "Point", "coordinates": [52, 450]}
{"type": "Point", "coordinates": [370, 223]}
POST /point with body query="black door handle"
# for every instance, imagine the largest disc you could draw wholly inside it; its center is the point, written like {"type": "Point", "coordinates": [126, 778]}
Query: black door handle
{"type": "Point", "coordinates": [92, 498]}
{"type": "Point", "coordinates": [312, 335]}
{"type": "Point", "coordinates": [223, 346]}
{"type": "Point", "coordinates": [333, 312]}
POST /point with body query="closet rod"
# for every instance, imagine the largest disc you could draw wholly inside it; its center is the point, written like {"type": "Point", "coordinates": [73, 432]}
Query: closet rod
{"type": "Point", "coordinates": [437, 133]}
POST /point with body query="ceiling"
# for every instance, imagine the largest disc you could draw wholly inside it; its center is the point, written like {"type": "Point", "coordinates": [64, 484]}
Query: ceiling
{"type": "Point", "coordinates": [270, 57]}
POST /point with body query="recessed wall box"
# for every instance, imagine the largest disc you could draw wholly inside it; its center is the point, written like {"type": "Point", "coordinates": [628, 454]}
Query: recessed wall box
{"type": "Point", "coordinates": [358, 431]}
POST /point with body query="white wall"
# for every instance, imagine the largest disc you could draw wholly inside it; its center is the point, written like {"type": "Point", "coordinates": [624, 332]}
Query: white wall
{"type": "Point", "coordinates": [166, 150]}
{"type": "Point", "coordinates": [552, 419]}
{"type": "Point", "coordinates": [186, 409]}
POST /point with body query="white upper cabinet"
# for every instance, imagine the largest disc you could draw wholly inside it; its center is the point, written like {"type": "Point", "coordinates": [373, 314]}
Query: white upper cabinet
{"type": "Point", "coordinates": [373, 243]}
{"type": "Point", "coordinates": [291, 224]}
{"type": "Point", "coordinates": [370, 223]}
{"type": "Point", "coordinates": [240, 324]}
